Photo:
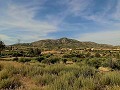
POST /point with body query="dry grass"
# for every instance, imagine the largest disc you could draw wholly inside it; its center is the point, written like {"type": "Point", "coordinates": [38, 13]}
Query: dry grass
{"type": "Point", "coordinates": [104, 69]}
{"type": "Point", "coordinates": [29, 84]}
{"type": "Point", "coordinates": [50, 52]}
{"type": "Point", "coordinates": [12, 63]}
{"type": "Point", "coordinates": [38, 76]}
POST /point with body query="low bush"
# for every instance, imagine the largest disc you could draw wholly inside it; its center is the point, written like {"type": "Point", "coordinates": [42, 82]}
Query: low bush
{"type": "Point", "coordinates": [54, 60]}
{"type": "Point", "coordinates": [117, 65]}
{"type": "Point", "coordinates": [77, 76]}
{"type": "Point", "coordinates": [97, 55]}
{"type": "Point", "coordinates": [46, 61]}
{"type": "Point", "coordinates": [40, 58]}
{"type": "Point", "coordinates": [15, 59]}
{"type": "Point", "coordinates": [114, 64]}
{"type": "Point", "coordinates": [95, 62]}
{"type": "Point", "coordinates": [17, 54]}
{"type": "Point", "coordinates": [50, 60]}
{"type": "Point", "coordinates": [24, 60]}
{"type": "Point", "coordinates": [64, 60]}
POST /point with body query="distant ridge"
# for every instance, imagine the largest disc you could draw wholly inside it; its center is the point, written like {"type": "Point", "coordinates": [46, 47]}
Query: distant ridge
{"type": "Point", "coordinates": [67, 43]}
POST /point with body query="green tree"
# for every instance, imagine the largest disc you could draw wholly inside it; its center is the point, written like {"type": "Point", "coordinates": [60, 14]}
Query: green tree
{"type": "Point", "coordinates": [34, 52]}
{"type": "Point", "coordinates": [2, 46]}
{"type": "Point", "coordinates": [31, 52]}
{"type": "Point", "coordinates": [37, 52]}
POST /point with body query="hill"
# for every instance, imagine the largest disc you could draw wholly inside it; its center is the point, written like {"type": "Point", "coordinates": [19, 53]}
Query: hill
{"type": "Point", "coordinates": [64, 43]}
{"type": "Point", "coordinates": [67, 43]}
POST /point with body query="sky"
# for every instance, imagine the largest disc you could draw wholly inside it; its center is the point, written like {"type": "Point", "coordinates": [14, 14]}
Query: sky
{"type": "Point", "coordinates": [84, 20]}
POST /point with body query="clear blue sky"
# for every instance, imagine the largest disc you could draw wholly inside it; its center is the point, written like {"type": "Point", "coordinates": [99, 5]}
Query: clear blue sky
{"type": "Point", "coordinates": [84, 20]}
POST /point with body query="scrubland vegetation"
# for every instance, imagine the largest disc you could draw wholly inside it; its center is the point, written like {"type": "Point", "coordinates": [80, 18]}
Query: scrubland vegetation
{"type": "Point", "coordinates": [84, 69]}
{"type": "Point", "coordinates": [40, 76]}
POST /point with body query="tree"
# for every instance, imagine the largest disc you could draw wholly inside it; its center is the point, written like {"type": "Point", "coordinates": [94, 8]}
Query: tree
{"type": "Point", "coordinates": [34, 52]}
{"type": "Point", "coordinates": [37, 52]}
{"type": "Point", "coordinates": [31, 52]}
{"type": "Point", "coordinates": [2, 46]}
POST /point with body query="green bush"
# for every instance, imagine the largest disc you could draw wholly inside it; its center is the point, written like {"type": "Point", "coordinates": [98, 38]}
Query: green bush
{"type": "Point", "coordinates": [54, 60]}
{"type": "Point", "coordinates": [97, 55]}
{"type": "Point", "coordinates": [40, 58]}
{"type": "Point", "coordinates": [51, 60]}
{"type": "Point", "coordinates": [17, 54]}
{"type": "Point", "coordinates": [48, 55]}
{"type": "Point", "coordinates": [117, 65]}
{"type": "Point", "coordinates": [67, 56]}
{"type": "Point", "coordinates": [88, 54]}
{"type": "Point", "coordinates": [34, 52]}
{"type": "Point", "coordinates": [78, 55]}
{"type": "Point", "coordinates": [114, 64]}
{"type": "Point", "coordinates": [57, 76]}
{"type": "Point", "coordinates": [15, 59]}
{"type": "Point", "coordinates": [95, 62]}
{"type": "Point", "coordinates": [46, 61]}
{"type": "Point", "coordinates": [24, 60]}
{"type": "Point", "coordinates": [64, 60]}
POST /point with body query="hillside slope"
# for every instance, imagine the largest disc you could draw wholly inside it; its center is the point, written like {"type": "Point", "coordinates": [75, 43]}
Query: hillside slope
{"type": "Point", "coordinates": [67, 43]}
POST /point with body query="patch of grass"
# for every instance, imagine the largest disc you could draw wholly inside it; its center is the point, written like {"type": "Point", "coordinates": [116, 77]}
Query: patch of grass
{"type": "Point", "coordinates": [43, 80]}
{"type": "Point", "coordinates": [84, 84]}
{"type": "Point", "coordinates": [39, 76]}
{"type": "Point", "coordinates": [112, 88]}
{"type": "Point", "coordinates": [55, 68]}
{"type": "Point", "coordinates": [87, 71]}
{"type": "Point", "coordinates": [10, 83]}
{"type": "Point", "coordinates": [111, 78]}
{"type": "Point", "coordinates": [1, 66]}
{"type": "Point", "coordinates": [4, 74]}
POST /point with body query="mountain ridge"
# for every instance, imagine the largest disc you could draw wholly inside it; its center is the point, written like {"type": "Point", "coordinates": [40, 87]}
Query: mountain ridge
{"type": "Point", "coordinates": [64, 42]}
{"type": "Point", "coordinates": [67, 43]}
